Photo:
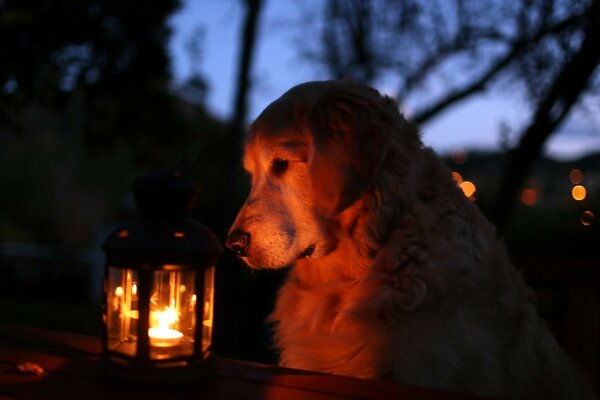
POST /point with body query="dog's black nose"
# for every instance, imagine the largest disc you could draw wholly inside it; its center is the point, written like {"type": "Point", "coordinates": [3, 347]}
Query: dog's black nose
{"type": "Point", "coordinates": [238, 241]}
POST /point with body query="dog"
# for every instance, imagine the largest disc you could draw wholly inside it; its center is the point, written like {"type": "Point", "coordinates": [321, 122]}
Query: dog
{"type": "Point", "coordinates": [395, 274]}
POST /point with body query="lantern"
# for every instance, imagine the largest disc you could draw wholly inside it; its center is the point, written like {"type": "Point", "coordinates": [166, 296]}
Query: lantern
{"type": "Point", "coordinates": [159, 286]}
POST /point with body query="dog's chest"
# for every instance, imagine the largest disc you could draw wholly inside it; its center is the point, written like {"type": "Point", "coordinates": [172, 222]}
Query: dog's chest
{"type": "Point", "coordinates": [318, 330]}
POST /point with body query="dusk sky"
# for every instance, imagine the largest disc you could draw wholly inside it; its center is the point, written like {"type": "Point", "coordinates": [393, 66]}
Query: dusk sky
{"type": "Point", "coordinates": [278, 66]}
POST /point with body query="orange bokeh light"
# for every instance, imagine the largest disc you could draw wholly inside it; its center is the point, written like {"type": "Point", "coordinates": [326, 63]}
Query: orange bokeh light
{"type": "Point", "coordinates": [579, 192]}
{"type": "Point", "coordinates": [468, 189]}
{"type": "Point", "coordinates": [529, 196]}
{"type": "Point", "coordinates": [456, 177]}
{"type": "Point", "coordinates": [459, 155]}
{"type": "Point", "coordinates": [587, 217]}
{"type": "Point", "coordinates": [576, 176]}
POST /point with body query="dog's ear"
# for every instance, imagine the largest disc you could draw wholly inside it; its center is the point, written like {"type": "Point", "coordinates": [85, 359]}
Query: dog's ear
{"type": "Point", "coordinates": [347, 130]}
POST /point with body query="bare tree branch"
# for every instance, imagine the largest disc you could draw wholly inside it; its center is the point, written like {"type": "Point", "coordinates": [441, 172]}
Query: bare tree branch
{"type": "Point", "coordinates": [563, 94]}
{"type": "Point", "coordinates": [479, 84]}
{"type": "Point", "coordinates": [248, 40]}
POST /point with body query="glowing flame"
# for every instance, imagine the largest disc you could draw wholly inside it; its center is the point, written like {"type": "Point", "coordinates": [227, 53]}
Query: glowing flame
{"type": "Point", "coordinates": [119, 291]}
{"type": "Point", "coordinates": [134, 289]}
{"type": "Point", "coordinates": [529, 196]}
{"type": "Point", "coordinates": [578, 192]}
{"type": "Point", "coordinates": [576, 176]}
{"type": "Point", "coordinates": [166, 318]}
{"type": "Point", "coordinates": [162, 335]}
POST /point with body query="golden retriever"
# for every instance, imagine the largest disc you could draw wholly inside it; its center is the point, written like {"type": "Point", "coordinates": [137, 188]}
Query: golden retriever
{"type": "Point", "coordinates": [395, 274]}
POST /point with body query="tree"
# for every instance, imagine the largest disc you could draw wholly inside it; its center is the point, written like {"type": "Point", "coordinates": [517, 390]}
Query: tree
{"type": "Point", "coordinates": [112, 52]}
{"type": "Point", "coordinates": [443, 52]}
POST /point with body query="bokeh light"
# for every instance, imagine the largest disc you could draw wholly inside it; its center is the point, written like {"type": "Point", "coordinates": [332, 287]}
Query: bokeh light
{"type": "Point", "coordinates": [579, 192]}
{"type": "Point", "coordinates": [459, 155]}
{"type": "Point", "coordinates": [587, 217]}
{"type": "Point", "coordinates": [456, 177]}
{"type": "Point", "coordinates": [576, 176]}
{"type": "Point", "coordinates": [529, 196]}
{"type": "Point", "coordinates": [468, 189]}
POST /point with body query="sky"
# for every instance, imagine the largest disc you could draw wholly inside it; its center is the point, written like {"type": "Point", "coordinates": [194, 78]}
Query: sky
{"type": "Point", "coordinates": [473, 124]}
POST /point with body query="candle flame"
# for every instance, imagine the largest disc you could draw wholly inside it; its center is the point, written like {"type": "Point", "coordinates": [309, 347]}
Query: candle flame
{"type": "Point", "coordinates": [119, 291]}
{"type": "Point", "coordinates": [166, 318]}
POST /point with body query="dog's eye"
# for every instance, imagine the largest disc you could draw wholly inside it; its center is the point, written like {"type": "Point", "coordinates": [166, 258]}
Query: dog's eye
{"type": "Point", "coordinates": [279, 166]}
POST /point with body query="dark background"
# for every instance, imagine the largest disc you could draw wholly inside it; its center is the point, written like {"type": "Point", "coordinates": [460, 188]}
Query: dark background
{"type": "Point", "coordinates": [87, 103]}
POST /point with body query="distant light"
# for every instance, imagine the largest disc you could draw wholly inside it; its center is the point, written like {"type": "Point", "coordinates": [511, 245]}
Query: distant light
{"type": "Point", "coordinates": [119, 291]}
{"type": "Point", "coordinates": [468, 189]}
{"type": "Point", "coordinates": [179, 234]}
{"type": "Point", "coordinates": [578, 192]}
{"type": "Point", "coordinates": [587, 217]}
{"type": "Point", "coordinates": [459, 155]}
{"type": "Point", "coordinates": [134, 289]}
{"type": "Point", "coordinates": [529, 196]}
{"type": "Point", "coordinates": [576, 176]}
{"type": "Point", "coordinates": [456, 177]}
{"type": "Point", "coordinates": [123, 234]}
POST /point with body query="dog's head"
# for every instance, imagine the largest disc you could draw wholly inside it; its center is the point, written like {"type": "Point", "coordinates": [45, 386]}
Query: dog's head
{"type": "Point", "coordinates": [312, 155]}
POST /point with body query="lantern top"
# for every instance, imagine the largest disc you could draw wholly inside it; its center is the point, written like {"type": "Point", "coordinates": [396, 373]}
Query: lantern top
{"type": "Point", "coordinates": [165, 194]}
{"type": "Point", "coordinates": [163, 234]}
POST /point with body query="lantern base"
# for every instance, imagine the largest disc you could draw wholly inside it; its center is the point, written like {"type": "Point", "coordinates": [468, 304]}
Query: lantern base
{"type": "Point", "coordinates": [148, 372]}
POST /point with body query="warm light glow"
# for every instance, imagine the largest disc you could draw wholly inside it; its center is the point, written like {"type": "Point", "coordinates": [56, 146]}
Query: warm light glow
{"type": "Point", "coordinates": [208, 321]}
{"type": "Point", "coordinates": [182, 288]}
{"type": "Point", "coordinates": [529, 196]}
{"type": "Point", "coordinates": [459, 155]}
{"type": "Point", "coordinates": [134, 289]}
{"type": "Point", "coordinates": [457, 177]}
{"type": "Point", "coordinates": [576, 176]}
{"type": "Point", "coordinates": [587, 217]}
{"type": "Point", "coordinates": [193, 300]}
{"type": "Point", "coordinates": [123, 234]}
{"type": "Point", "coordinates": [162, 335]}
{"type": "Point", "coordinates": [179, 234]}
{"type": "Point", "coordinates": [468, 189]}
{"type": "Point", "coordinates": [119, 291]}
{"type": "Point", "coordinates": [166, 318]}
{"type": "Point", "coordinates": [578, 192]}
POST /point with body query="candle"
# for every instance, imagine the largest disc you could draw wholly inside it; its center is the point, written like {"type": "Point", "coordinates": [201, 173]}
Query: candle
{"type": "Point", "coordinates": [163, 335]}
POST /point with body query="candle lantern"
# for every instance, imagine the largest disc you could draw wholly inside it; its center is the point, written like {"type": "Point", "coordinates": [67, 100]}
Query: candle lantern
{"type": "Point", "coordinates": [159, 285]}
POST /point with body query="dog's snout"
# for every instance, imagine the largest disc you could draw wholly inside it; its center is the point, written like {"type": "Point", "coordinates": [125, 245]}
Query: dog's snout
{"type": "Point", "coordinates": [238, 241]}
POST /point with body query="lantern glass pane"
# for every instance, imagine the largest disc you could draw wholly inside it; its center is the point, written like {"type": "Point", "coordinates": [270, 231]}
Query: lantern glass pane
{"type": "Point", "coordinates": [172, 314]}
{"type": "Point", "coordinates": [122, 312]}
{"type": "Point", "coordinates": [207, 323]}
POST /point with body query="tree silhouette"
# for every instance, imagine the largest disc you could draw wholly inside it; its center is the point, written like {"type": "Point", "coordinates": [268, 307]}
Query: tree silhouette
{"type": "Point", "coordinates": [444, 52]}
{"type": "Point", "coordinates": [111, 52]}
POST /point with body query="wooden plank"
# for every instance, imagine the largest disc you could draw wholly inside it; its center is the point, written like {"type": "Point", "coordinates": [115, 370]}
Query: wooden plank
{"type": "Point", "coordinates": [72, 368]}
{"type": "Point", "coordinates": [332, 384]}
{"type": "Point", "coordinates": [64, 341]}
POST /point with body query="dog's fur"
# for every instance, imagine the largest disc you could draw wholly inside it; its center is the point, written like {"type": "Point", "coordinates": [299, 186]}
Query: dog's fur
{"type": "Point", "coordinates": [396, 274]}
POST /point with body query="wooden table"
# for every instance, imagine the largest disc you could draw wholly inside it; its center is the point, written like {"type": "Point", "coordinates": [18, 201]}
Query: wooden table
{"type": "Point", "coordinates": [72, 370]}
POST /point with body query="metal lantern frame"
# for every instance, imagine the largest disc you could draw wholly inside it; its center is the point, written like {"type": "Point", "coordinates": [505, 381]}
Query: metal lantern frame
{"type": "Point", "coordinates": [162, 243]}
